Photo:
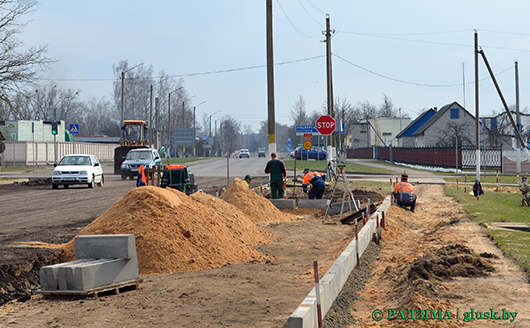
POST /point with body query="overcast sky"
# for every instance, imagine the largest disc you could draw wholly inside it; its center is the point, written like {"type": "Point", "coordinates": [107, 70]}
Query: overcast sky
{"type": "Point", "coordinates": [412, 51]}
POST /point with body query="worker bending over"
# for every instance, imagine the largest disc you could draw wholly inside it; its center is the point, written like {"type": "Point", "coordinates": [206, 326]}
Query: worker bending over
{"type": "Point", "coordinates": [404, 193]}
{"type": "Point", "coordinates": [316, 180]}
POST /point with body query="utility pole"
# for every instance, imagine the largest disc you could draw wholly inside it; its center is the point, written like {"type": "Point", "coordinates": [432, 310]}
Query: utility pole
{"type": "Point", "coordinates": [151, 113]}
{"type": "Point", "coordinates": [328, 34]}
{"type": "Point", "coordinates": [169, 122]}
{"type": "Point", "coordinates": [477, 118]}
{"type": "Point", "coordinates": [194, 134]}
{"type": "Point", "coordinates": [518, 116]}
{"type": "Point", "coordinates": [157, 134]}
{"type": "Point", "coordinates": [270, 81]}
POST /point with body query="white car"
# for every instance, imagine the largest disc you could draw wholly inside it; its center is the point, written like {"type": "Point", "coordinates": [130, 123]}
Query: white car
{"type": "Point", "coordinates": [78, 169]}
{"type": "Point", "coordinates": [244, 153]}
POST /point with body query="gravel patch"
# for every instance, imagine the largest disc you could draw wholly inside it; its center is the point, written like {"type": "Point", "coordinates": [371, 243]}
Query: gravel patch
{"type": "Point", "coordinates": [339, 315]}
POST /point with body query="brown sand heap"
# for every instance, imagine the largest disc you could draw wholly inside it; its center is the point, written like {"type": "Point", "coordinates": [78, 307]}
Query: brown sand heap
{"type": "Point", "coordinates": [260, 209]}
{"type": "Point", "coordinates": [240, 223]}
{"type": "Point", "coordinates": [175, 233]}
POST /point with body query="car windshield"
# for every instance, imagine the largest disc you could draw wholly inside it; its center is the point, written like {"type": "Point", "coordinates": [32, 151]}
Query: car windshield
{"type": "Point", "coordinates": [141, 154]}
{"type": "Point", "coordinates": [75, 160]}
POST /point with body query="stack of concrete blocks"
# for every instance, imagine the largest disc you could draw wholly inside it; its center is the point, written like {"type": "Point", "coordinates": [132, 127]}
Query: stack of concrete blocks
{"type": "Point", "coordinates": [305, 316]}
{"type": "Point", "coordinates": [102, 260]}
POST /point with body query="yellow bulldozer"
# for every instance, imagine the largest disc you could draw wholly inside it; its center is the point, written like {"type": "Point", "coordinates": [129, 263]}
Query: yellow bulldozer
{"type": "Point", "coordinates": [134, 134]}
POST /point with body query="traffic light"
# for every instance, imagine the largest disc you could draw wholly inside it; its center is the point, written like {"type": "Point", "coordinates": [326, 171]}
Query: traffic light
{"type": "Point", "coordinates": [54, 128]}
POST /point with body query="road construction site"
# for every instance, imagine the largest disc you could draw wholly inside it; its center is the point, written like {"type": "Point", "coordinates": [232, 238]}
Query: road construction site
{"type": "Point", "coordinates": [246, 264]}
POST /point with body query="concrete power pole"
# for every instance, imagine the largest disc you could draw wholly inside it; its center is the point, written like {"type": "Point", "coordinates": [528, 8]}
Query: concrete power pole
{"type": "Point", "coordinates": [477, 113]}
{"type": "Point", "coordinates": [270, 81]}
{"type": "Point", "coordinates": [518, 117]}
{"type": "Point", "coordinates": [328, 34]}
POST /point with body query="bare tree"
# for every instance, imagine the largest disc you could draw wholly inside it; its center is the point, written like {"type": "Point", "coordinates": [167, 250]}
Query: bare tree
{"type": "Point", "coordinates": [99, 117]}
{"type": "Point", "coordinates": [137, 84]}
{"type": "Point", "coordinates": [299, 113]}
{"type": "Point", "coordinates": [230, 130]}
{"type": "Point", "coordinates": [447, 135]}
{"type": "Point", "coordinates": [387, 108]}
{"type": "Point", "coordinates": [367, 110]}
{"type": "Point", "coordinates": [17, 67]}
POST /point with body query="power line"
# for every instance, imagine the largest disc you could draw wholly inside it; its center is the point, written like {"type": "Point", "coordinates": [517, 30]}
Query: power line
{"type": "Point", "coordinates": [315, 7]}
{"type": "Point", "coordinates": [319, 24]}
{"type": "Point", "coordinates": [191, 74]}
{"type": "Point", "coordinates": [307, 36]}
{"type": "Point", "coordinates": [414, 83]}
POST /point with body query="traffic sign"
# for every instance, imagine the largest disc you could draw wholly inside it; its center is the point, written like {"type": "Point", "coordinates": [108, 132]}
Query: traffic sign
{"type": "Point", "coordinates": [308, 145]}
{"type": "Point", "coordinates": [308, 135]}
{"type": "Point", "coordinates": [325, 124]}
{"type": "Point", "coordinates": [74, 128]}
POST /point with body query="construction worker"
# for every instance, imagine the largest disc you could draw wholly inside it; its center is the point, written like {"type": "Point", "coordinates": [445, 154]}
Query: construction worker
{"type": "Point", "coordinates": [404, 193]}
{"type": "Point", "coordinates": [142, 177]}
{"type": "Point", "coordinates": [247, 180]}
{"type": "Point", "coordinates": [316, 180]}
{"type": "Point", "coordinates": [276, 169]}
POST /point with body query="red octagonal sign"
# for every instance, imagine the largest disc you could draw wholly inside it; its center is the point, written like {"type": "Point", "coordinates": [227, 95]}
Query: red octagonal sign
{"type": "Point", "coordinates": [325, 124]}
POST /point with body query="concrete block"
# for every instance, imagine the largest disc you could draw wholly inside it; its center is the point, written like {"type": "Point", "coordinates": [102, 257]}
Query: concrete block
{"type": "Point", "coordinates": [105, 247]}
{"type": "Point", "coordinates": [49, 275]}
{"type": "Point", "coordinates": [284, 203]}
{"type": "Point", "coordinates": [335, 207]}
{"type": "Point", "coordinates": [97, 273]}
{"type": "Point", "coordinates": [313, 203]}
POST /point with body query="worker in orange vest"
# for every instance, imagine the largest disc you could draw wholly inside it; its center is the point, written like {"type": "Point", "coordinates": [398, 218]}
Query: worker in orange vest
{"type": "Point", "coordinates": [316, 180]}
{"type": "Point", "coordinates": [142, 177]}
{"type": "Point", "coordinates": [404, 193]}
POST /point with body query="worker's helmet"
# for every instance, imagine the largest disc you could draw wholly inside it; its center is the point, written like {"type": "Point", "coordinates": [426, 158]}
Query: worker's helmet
{"type": "Point", "coordinates": [306, 170]}
{"type": "Point", "coordinates": [404, 176]}
{"type": "Point", "coordinates": [248, 176]}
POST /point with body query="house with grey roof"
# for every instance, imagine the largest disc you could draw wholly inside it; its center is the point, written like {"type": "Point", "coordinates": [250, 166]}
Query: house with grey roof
{"type": "Point", "coordinates": [438, 128]}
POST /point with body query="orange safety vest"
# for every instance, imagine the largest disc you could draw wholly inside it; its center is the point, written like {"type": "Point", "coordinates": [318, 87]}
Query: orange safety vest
{"type": "Point", "coordinates": [407, 187]}
{"type": "Point", "coordinates": [141, 170]}
{"type": "Point", "coordinates": [310, 175]}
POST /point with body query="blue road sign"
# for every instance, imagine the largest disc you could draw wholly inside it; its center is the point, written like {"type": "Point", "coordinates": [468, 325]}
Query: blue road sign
{"type": "Point", "coordinates": [74, 128]}
{"type": "Point", "coordinates": [204, 138]}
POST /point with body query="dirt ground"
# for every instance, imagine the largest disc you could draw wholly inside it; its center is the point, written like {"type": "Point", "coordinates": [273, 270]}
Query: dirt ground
{"type": "Point", "coordinates": [471, 274]}
{"type": "Point", "coordinates": [438, 259]}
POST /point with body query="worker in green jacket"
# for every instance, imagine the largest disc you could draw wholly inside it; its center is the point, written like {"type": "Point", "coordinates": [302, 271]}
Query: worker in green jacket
{"type": "Point", "coordinates": [278, 176]}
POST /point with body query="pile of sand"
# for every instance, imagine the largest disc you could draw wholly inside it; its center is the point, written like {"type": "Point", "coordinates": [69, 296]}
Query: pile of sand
{"type": "Point", "coordinates": [177, 233]}
{"type": "Point", "coordinates": [260, 209]}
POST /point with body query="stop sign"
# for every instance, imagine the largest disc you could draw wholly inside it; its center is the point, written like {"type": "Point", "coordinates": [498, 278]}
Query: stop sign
{"type": "Point", "coordinates": [325, 124]}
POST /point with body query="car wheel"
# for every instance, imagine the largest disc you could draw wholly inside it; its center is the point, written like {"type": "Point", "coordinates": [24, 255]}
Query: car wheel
{"type": "Point", "coordinates": [55, 186]}
{"type": "Point", "coordinates": [101, 181]}
{"type": "Point", "coordinates": [131, 177]}
{"type": "Point", "coordinates": [66, 186]}
{"type": "Point", "coordinates": [123, 177]}
{"type": "Point", "coordinates": [91, 184]}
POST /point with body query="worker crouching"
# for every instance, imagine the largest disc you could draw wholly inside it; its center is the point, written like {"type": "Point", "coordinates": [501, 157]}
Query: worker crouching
{"type": "Point", "coordinates": [316, 180]}
{"type": "Point", "coordinates": [404, 193]}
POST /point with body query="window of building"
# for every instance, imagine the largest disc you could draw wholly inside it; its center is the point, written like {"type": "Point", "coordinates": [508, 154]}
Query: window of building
{"type": "Point", "coordinates": [455, 113]}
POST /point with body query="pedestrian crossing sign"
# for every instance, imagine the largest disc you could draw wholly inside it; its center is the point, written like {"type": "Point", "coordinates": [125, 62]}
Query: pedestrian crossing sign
{"type": "Point", "coordinates": [74, 128]}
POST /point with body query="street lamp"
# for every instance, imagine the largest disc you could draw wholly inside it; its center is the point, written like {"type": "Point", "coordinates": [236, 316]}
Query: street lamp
{"type": "Point", "coordinates": [194, 130]}
{"type": "Point", "coordinates": [122, 88]}
{"type": "Point", "coordinates": [169, 115]}
{"type": "Point", "coordinates": [210, 151]}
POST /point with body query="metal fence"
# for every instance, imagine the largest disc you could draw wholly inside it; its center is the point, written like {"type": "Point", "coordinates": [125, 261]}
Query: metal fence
{"type": "Point", "coordinates": [43, 152]}
{"type": "Point", "coordinates": [462, 158]}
